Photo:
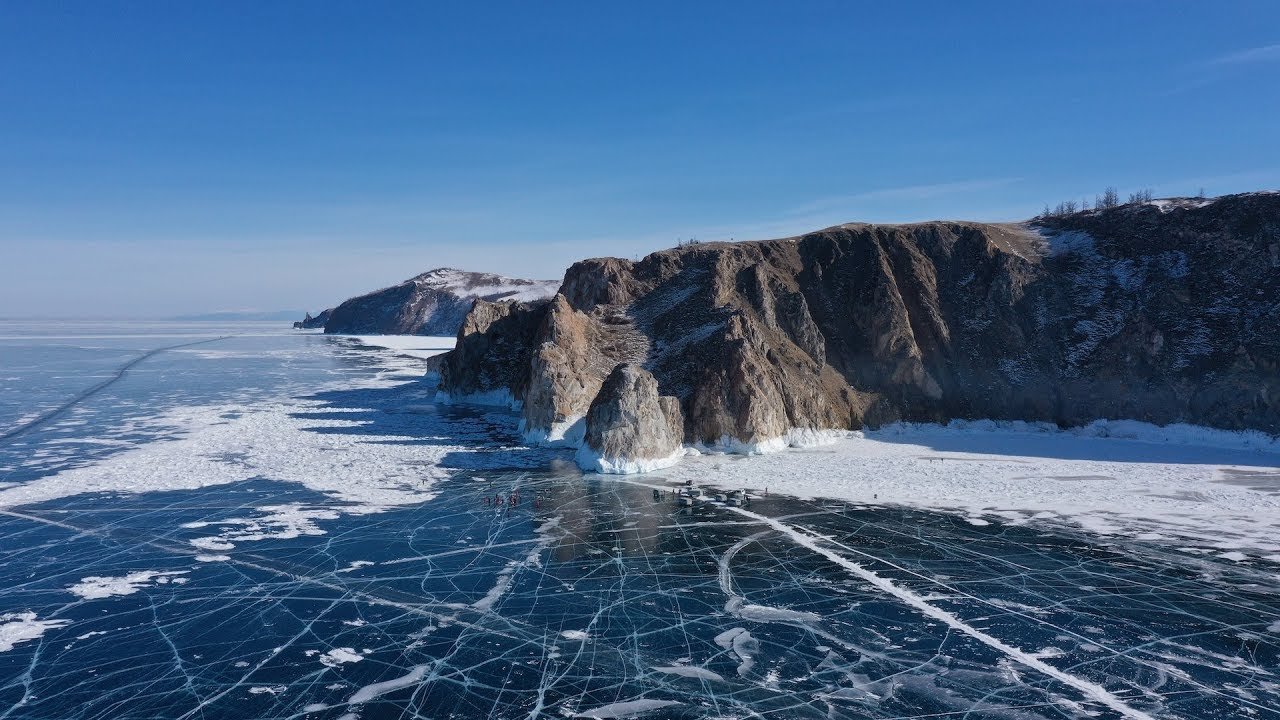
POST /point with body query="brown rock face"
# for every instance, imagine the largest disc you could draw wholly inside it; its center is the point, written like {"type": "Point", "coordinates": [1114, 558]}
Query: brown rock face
{"type": "Point", "coordinates": [629, 427]}
{"type": "Point", "coordinates": [491, 358]}
{"type": "Point", "coordinates": [1166, 312]}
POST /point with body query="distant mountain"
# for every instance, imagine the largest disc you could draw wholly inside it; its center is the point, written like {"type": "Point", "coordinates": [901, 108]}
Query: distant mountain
{"type": "Point", "coordinates": [1166, 311]}
{"type": "Point", "coordinates": [433, 303]}
{"type": "Point", "coordinates": [227, 315]}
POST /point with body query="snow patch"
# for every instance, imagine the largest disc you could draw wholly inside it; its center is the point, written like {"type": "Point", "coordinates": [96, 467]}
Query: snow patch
{"type": "Point", "coordinates": [742, 644]}
{"type": "Point", "coordinates": [338, 656]}
{"type": "Point", "coordinates": [691, 672]}
{"type": "Point", "coordinates": [283, 522]}
{"type": "Point", "coordinates": [97, 587]}
{"type": "Point", "coordinates": [1174, 484]}
{"type": "Point", "coordinates": [626, 709]}
{"type": "Point", "coordinates": [17, 628]}
{"type": "Point", "coordinates": [378, 689]}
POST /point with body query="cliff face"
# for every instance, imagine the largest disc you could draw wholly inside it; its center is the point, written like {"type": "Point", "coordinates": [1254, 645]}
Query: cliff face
{"type": "Point", "coordinates": [1164, 312]}
{"type": "Point", "coordinates": [433, 303]}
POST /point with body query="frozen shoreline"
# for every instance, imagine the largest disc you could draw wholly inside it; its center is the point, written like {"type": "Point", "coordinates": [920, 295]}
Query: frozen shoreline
{"type": "Point", "coordinates": [418, 346]}
{"type": "Point", "coordinates": [1214, 490]}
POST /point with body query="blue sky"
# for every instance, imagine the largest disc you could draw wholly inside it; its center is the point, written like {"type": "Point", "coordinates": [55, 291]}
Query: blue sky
{"type": "Point", "coordinates": [159, 158]}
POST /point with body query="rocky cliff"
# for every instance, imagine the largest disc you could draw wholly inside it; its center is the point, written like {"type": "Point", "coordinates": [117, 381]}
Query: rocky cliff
{"type": "Point", "coordinates": [433, 303]}
{"type": "Point", "coordinates": [1167, 311]}
{"type": "Point", "coordinates": [313, 322]}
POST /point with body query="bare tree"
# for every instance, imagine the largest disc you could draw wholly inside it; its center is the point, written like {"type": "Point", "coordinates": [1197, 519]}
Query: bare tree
{"type": "Point", "coordinates": [1200, 194]}
{"type": "Point", "coordinates": [1109, 198]}
{"type": "Point", "coordinates": [1141, 196]}
{"type": "Point", "coordinates": [1069, 206]}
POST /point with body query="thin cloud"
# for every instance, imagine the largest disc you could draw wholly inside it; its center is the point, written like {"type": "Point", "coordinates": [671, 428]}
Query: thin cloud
{"type": "Point", "coordinates": [1266, 53]}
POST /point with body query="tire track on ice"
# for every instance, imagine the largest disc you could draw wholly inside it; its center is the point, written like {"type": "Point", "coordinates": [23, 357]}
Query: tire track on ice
{"type": "Point", "coordinates": [80, 397]}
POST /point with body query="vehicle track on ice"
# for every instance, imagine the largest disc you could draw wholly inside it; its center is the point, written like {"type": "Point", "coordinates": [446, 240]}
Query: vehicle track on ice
{"type": "Point", "coordinates": [115, 377]}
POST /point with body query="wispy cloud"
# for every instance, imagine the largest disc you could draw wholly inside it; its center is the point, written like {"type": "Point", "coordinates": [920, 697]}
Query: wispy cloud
{"type": "Point", "coordinates": [1266, 53]}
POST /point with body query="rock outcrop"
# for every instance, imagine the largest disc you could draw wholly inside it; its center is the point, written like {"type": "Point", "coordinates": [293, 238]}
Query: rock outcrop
{"type": "Point", "coordinates": [1166, 312]}
{"type": "Point", "coordinates": [433, 303]}
{"type": "Point", "coordinates": [313, 323]}
{"type": "Point", "coordinates": [630, 427]}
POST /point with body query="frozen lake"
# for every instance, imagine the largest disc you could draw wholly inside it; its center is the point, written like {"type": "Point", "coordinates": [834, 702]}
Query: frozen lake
{"type": "Point", "coordinates": [286, 525]}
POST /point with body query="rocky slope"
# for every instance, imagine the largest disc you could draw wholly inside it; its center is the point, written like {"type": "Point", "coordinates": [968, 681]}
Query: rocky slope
{"type": "Point", "coordinates": [313, 323]}
{"type": "Point", "coordinates": [1166, 312]}
{"type": "Point", "coordinates": [433, 303]}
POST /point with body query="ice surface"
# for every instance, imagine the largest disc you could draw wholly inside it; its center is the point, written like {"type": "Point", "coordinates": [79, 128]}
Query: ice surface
{"type": "Point", "coordinates": [389, 556]}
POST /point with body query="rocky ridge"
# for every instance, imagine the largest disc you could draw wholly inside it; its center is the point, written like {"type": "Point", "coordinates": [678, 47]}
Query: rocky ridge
{"type": "Point", "coordinates": [433, 303]}
{"type": "Point", "coordinates": [1167, 311]}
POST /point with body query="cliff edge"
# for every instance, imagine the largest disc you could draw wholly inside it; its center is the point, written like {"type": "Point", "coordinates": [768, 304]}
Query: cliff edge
{"type": "Point", "coordinates": [1166, 311]}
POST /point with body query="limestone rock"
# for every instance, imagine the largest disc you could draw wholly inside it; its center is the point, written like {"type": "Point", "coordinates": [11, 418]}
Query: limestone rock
{"type": "Point", "coordinates": [630, 427]}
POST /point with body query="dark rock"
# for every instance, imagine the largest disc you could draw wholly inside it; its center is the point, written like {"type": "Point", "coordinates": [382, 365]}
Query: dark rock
{"type": "Point", "coordinates": [313, 323]}
{"type": "Point", "coordinates": [433, 303]}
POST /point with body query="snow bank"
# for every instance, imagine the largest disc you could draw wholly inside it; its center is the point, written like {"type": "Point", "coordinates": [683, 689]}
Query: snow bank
{"type": "Point", "coordinates": [569, 433]}
{"type": "Point", "coordinates": [1207, 488]}
{"type": "Point", "coordinates": [793, 438]}
{"type": "Point", "coordinates": [592, 461]}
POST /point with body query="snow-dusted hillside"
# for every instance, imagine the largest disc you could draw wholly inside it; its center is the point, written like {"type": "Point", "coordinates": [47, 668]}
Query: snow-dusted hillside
{"type": "Point", "coordinates": [433, 303]}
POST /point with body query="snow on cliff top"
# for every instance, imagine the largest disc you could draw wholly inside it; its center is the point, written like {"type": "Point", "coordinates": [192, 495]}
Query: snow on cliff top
{"type": "Point", "coordinates": [486, 285]}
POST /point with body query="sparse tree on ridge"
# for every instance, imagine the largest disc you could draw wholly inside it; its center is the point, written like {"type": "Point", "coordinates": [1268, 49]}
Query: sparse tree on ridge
{"type": "Point", "coordinates": [1108, 199]}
